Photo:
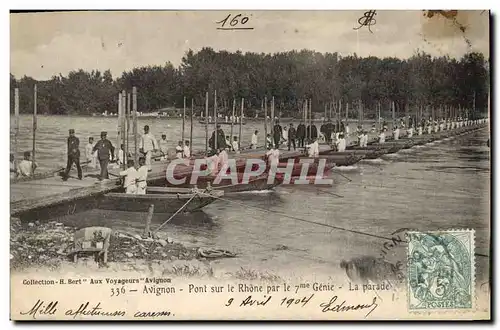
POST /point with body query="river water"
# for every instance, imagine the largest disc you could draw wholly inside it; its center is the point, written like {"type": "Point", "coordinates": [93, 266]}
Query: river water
{"type": "Point", "coordinates": [441, 185]}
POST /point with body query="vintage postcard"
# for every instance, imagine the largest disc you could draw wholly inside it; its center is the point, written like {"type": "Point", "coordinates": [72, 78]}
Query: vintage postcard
{"type": "Point", "coordinates": [250, 165]}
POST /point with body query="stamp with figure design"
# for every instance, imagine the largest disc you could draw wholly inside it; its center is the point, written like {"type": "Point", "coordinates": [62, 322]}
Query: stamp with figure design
{"type": "Point", "coordinates": [441, 270]}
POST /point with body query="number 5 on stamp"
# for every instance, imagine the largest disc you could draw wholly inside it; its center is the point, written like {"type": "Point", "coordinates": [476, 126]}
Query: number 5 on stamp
{"type": "Point", "coordinates": [441, 271]}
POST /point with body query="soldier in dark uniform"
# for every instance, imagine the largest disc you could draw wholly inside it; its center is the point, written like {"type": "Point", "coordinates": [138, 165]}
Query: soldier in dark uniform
{"type": "Point", "coordinates": [73, 155]}
{"type": "Point", "coordinates": [221, 140]}
{"type": "Point", "coordinates": [301, 134]}
{"type": "Point", "coordinates": [277, 134]}
{"type": "Point", "coordinates": [292, 133]}
{"type": "Point", "coordinates": [104, 150]}
{"type": "Point", "coordinates": [329, 128]}
{"type": "Point", "coordinates": [313, 132]}
{"type": "Point", "coordinates": [322, 129]}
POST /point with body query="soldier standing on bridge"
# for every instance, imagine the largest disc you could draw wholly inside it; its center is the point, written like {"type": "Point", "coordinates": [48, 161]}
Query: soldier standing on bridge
{"type": "Point", "coordinates": [104, 150]}
{"type": "Point", "coordinates": [73, 155]}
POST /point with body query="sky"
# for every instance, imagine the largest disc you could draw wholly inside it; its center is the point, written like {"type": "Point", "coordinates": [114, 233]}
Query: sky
{"type": "Point", "coordinates": [47, 44]}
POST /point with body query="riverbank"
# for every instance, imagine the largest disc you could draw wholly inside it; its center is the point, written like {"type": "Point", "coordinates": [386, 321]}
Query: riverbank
{"type": "Point", "coordinates": [44, 247]}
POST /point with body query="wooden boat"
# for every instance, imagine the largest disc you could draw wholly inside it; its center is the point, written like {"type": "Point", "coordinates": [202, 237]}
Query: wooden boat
{"type": "Point", "coordinates": [164, 199]}
{"type": "Point", "coordinates": [341, 158]}
{"type": "Point", "coordinates": [365, 153]}
{"type": "Point", "coordinates": [257, 183]}
{"type": "Point", "coordinates": [379, 148]}
{"type": "Point", "coordinates": [312, 169]}
{"type": "Point", "coordinates": [221, 122]}
{"type": "Point", "coordinates": [158, 175]}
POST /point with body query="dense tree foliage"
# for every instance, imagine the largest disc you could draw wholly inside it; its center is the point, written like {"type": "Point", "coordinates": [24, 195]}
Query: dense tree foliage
{"type": "Point", "coordinates": [420, 82]}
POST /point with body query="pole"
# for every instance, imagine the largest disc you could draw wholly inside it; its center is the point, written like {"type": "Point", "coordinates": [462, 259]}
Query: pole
{"type": "Point", "coordinates": [215, 120]}
{"type": "Point", "coordinates": [378, 113]}
{"type": "Point", "coordinates": [232, 118]}
{"type": "Point", "coordinates": [191, 128]}
{"type": "Point", "coordinates": [488, 115]}
{"type": "Point", "coordinates": [359, 112]}
{"type": "Point", "coordinates": [34, 130]}
{"type": "Point", "coordinates": [310, 118]}
{"type": "Point", "coordinates": [340, 110]}
{"type": "Point", "coordinates": [149, 216]}
{"type": "Point", "coordinates": [16, 124]}
{"type": "Point", "coordinates": [127, 142]}
{"type": "Point", "coordinates": [265, 122]}
{"type": "Point", "coordinates": [206, 123]}
{"type": "Point", "coordinates": [304, 115]}
{"type": "Point", "coordinates": [241, 122]}
{"type": "Point", "coordinates": [261, 106]}
{"type": "Point", "coordinates": [118, 127]}
{"type": "Point", "coordinates": [361, 117]}
{"type": "Point", "coordinates": [347, 112]}
{"type": "Point", "coordinates": [123, 127]}
{"type": "Point", "coordinates": [393, 113]}
{"type": "Point", "coordinates": [183, 119]}
{"type": "Point", "coordinates": [474, 103]}
{"type": "Point", "coordinates": [272, 117]}
{"type": "Point", "coordinates": [134, 126]}
{"type": "Point", "coordinates": [407, 112]}
{"type": "Point", "coordinates": [306, 110]}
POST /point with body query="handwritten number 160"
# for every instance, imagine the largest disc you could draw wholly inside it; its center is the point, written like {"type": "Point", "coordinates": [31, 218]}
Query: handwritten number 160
{"type": "Point", "coordinates": [234, 21]}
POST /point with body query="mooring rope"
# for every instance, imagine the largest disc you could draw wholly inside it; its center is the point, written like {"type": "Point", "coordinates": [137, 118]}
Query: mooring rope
{"type": "Point", "coordinates": [173, 215]}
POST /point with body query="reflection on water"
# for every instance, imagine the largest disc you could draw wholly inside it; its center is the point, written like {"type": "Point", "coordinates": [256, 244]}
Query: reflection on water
{"type": "Point", "coordinates": [442, 185]}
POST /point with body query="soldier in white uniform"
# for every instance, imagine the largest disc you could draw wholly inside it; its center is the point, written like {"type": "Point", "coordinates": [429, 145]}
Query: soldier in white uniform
{"type": "Point", "coordinates": [148, 145]}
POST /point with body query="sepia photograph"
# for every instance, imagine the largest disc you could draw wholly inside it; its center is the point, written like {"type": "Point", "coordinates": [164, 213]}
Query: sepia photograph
{"type": "Point", "coordinates": [250, 165]}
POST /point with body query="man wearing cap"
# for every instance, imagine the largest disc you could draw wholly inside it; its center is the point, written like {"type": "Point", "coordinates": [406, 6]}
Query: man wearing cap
{"type": "Point", "coordinates": [221, 139]}
{"type": "Point", "coordinates": [73, 155]}
{"type": "Point", "coordinates": [277, 134]}
{"type": "Point", "coordinates": [301, 134]}
{"type": "Point", "coordinates": [148, 145]}
{"type": "Point", "coordinates": [273, 158]}
{"type": "Point", "coordinates": [104, 149]}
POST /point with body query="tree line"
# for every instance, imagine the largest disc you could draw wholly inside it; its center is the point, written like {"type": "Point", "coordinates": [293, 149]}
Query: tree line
{"type": "Point", "coordinates": [419, 82]}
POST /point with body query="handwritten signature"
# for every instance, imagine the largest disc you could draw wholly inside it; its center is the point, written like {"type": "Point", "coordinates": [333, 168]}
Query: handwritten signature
{"type": "Point", "coordinates": [367, 20]}
{"type": "Point", "coordinates": [331, 306]}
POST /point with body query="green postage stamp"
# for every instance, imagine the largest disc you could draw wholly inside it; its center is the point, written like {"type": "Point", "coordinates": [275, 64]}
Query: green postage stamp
{"type": "Point", "coordinates": [441, 270]}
